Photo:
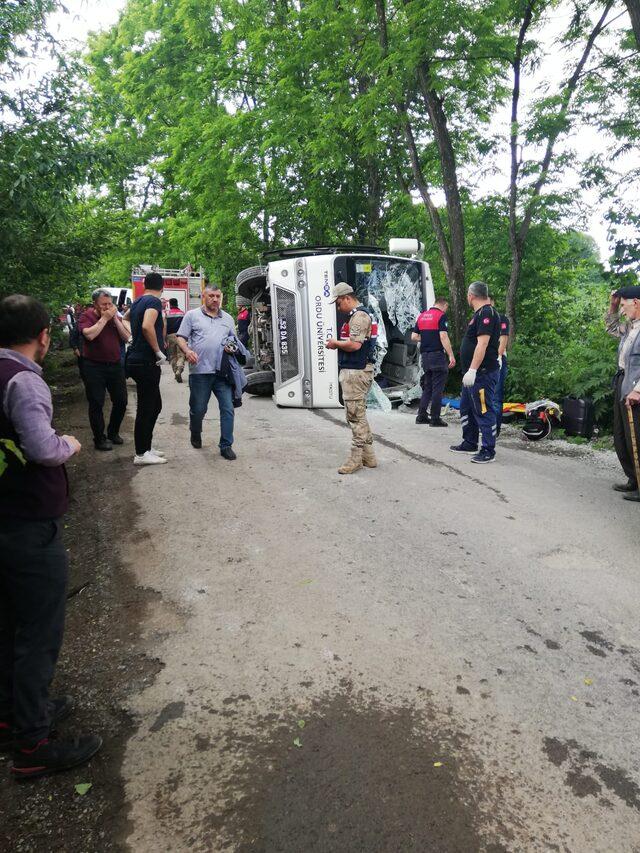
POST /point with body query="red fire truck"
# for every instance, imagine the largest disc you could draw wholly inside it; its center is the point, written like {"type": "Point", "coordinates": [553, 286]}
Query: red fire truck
{"type": "Point", "coordinates": [185, 285]}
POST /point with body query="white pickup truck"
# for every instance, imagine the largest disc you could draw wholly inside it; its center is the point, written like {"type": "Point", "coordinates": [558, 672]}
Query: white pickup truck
{"type": "Point", "coordinates": [291, 318]}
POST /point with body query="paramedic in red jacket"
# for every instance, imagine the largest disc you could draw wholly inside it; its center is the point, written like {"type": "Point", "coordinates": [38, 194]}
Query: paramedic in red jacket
{"type": "Point", "coordinates": [431, 330]}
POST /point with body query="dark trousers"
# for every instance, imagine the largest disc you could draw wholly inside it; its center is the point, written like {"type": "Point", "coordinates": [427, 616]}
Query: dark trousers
{"type": "Point", "coordinates": [33, 584]}
{"type": "Point", "coordinates": [201, 386]}
{"type": "Point", "coordinates": [499, 395]}
{"type": "Point", "coordinates": [100, 378]}
{"type": "Point", "coordinates": [477, 410]}
{"type": "Point", "coordinates": [436, 369]}
{"type": "Point", "coordinates": [147, 379]}
{"type": "Point", "coordinates": [622, 431]}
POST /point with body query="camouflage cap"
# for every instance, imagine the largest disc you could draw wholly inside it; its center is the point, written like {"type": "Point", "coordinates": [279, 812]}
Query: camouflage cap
{"type": "Point", "coordinates": [341, 289]}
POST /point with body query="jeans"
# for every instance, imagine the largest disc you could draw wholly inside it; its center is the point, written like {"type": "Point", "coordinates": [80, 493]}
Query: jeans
{"type": "Point", "coordinates": [477, 410]}
{"type": "Point", "coordinates": [147, 379]}
{"type": "Point", "coordinates": [100, 377]}
{"type": "Point", "coordinates": [33, 593]}
{"type": "Point", "coordinates": [436, 369]}
{"type": "Point", "coordinates": [201, 385]}
{"type": "Point", "coordinates": [499, 395]}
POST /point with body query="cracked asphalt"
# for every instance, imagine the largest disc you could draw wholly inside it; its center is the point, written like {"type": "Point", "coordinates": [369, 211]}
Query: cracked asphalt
{"type": "Point", "coordinates": [430, 655]}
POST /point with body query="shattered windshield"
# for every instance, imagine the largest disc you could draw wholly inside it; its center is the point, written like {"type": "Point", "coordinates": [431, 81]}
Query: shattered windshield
{"type": "Point", "coordinates": [396, 286]}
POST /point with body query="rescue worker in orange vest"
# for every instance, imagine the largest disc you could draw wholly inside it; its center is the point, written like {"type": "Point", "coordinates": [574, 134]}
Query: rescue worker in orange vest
{"type": "Point", "coordinates": [356, 356]}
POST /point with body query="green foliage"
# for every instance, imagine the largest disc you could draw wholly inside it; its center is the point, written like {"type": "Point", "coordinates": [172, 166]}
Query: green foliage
{"type": "Point", "coordinates": [206, 131]}
{"type": "Point", "coordinates": [50, 234]}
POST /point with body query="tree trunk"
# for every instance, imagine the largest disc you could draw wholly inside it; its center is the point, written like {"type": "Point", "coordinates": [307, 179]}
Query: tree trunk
{"type": "Point", "coordinates": [512, 287]}
{"type": "Point", "coordinates": [634, 13]}
{"type": "Point", "coordinates": [518, 233]}
{"type": "Point", "coordinates": [373, 201]}
{"type": "Point", "coordinates": [448, 167]}
{"type": "Point", "coordinates": [451, 248]}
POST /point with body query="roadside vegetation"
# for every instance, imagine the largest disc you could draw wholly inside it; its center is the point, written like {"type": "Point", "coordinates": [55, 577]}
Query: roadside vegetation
{"type": "Point", "coordinates": [207, 131]}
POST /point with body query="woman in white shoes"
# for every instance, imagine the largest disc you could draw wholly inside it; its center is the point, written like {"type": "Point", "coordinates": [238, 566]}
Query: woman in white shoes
{"type": "Point", "coordinates": [144, 357]}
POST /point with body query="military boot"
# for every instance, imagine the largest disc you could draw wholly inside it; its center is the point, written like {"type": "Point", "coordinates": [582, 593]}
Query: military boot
{"type": "Point", "coordinates": [353, 463]}
{"type": "Point", "coordinates": [369, 457]}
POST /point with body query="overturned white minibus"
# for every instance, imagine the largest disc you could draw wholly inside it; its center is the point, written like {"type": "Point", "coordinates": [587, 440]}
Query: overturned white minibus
{"type": "Point", "coordinates": [291, 318]}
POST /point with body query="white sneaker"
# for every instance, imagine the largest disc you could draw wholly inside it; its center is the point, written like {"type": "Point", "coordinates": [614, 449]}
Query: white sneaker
{"type": "Point", "coordinates": [148, 458]}
{"type": "Point", "coordinates": [159, 453]}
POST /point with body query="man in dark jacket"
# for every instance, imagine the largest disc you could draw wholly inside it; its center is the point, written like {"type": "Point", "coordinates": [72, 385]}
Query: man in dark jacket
{"type": "Point", "coordinates": [33, 561]}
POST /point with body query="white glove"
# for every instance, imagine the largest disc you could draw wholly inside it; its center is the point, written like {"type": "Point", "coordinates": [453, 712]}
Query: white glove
{"type": "Point", "coordinates": [469, 379]}
{"type": "Point", "coordinates": [160, 358]}
{"type": "Point", "coordinates": [500, 362]}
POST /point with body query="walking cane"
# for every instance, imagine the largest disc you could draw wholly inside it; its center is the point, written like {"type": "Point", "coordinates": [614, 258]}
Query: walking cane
{"type": "Point", "coordinates": [634, 446]}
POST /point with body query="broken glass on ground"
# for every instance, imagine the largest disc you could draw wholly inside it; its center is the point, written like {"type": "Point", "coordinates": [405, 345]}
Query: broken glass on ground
{"type": "Point", "coordinates": [377, 399]}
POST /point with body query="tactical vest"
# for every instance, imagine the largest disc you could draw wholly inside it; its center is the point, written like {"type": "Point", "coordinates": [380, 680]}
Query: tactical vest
{"type": "Point", "coordinates": [359, 359]}
{"type": "Point", "coordinates": [27, 490]}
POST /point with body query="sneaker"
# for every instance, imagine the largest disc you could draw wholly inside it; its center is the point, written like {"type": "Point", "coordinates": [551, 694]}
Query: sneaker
{"type": "Point", "coordinates": [196, 440]}
{"type": "Point", "coordinates": [159, 453]}
{"type": "Point", "coordinates": [116, 439]}
{"type": "Point", "coordinates": [439, 423]}
{"type": "Point", "coordinates": [463, 448]}
{"type": "Point", "coordinates": [228, 453]}
{"type": "Point", "coordinates": [148, 459]}
{"type": "Point", "coordinates": [423, 418]}
{"type": "Point", "coordinates": [52, 755]}
{"type": "Point", "coordinates": [484, 456]}
{"type": "Point", "coordinates": [103, 444]}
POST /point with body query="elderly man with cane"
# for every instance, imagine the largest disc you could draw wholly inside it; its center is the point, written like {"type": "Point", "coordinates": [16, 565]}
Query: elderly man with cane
{"type": "Point", "coordinates": [626, 412]}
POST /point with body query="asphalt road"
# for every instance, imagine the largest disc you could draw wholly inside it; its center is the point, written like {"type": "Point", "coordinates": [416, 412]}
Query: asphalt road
{"type": "Point", "coordinates": [432, 655]}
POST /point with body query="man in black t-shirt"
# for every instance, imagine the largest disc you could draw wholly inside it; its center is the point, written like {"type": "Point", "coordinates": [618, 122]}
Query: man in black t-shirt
{"type": "Point", "coordinates": [479, 362]}
{"type": "Point", "coordinates": [144, 357]}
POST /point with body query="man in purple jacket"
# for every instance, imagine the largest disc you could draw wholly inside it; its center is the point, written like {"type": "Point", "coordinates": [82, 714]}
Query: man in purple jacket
{"type": "Point", "coordinates": [34, 496]}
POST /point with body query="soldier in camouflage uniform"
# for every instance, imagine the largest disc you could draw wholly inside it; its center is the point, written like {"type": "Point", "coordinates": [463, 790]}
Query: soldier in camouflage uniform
{"type": "Point", "coordinates": [356, 354]}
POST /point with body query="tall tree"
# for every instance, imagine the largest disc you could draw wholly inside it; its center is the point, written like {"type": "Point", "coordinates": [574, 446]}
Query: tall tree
{"type": "Point", "coordinates": [553, 120]}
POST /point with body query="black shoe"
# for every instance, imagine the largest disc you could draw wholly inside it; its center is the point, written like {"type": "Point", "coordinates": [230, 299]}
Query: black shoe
{"type": "Point", "coordinates": [484, 456]}
{"type": "Point", "coordinates": [115, 439]}
{"type": "Point", "coordinates": [463, 448]}
{"type": "Point", "coordinates": [228, 453]}
{"type": "Point", "coordinates": [196, 440]}
{"type": "Point", "coordinates": [103, 444]}
{"type": "Point", "coordinates": [632, 496]}
{"type": "Point", "coordinates": [52, 755]}
{"type": "Point", "coordinates": [439, 423]}
{"type": "Point", "coordinates": [423, 418]}
{"type": "Point", "coordinates": [625, 487]}
{"type": "Point", "coordinates": [59, 709]}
